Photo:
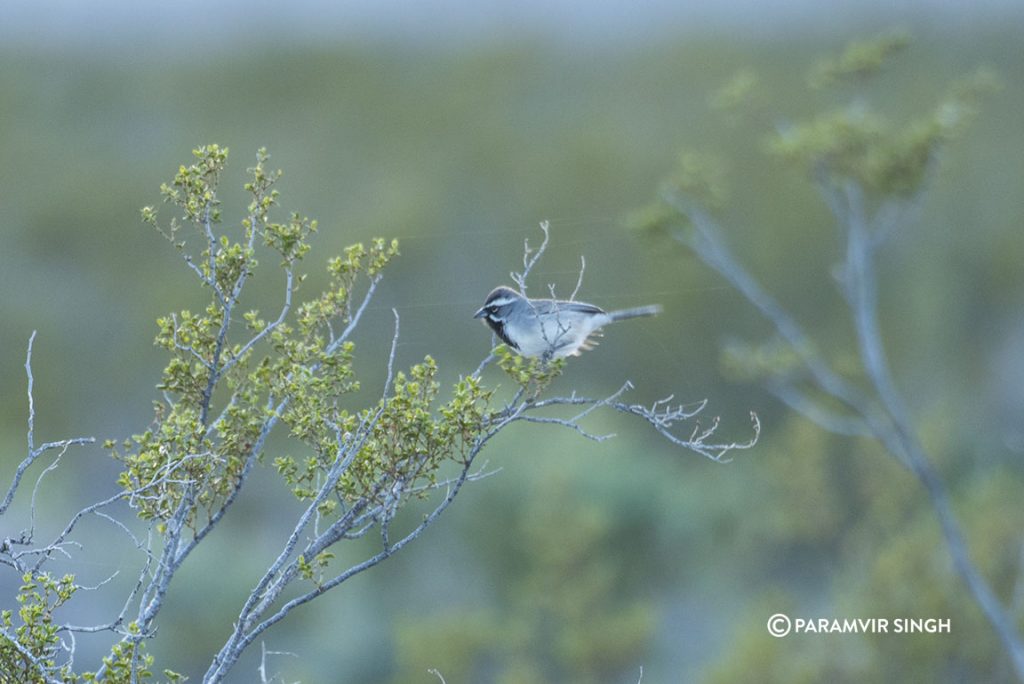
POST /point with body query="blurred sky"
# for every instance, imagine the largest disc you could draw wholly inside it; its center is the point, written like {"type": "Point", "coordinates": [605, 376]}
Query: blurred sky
{"type": "Point", "coordinates": [126, 24]}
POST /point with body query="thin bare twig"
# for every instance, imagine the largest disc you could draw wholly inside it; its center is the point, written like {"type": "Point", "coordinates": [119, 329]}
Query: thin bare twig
{"type": "Point", "coordinates": [31, 398]}
{"type": "Point", "coordinates": [263, 660]}
{"type": "Point", "coordinates": [531, 257]}
{"type": "Point", "coordinates": [488, 360]}
{"type": "Point", "coordinates": [579, 279]}
{"type": "Point", "coordinates": [33, 451]}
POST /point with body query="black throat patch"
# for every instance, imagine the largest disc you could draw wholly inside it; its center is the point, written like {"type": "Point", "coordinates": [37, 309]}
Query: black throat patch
{"type": "Point", "coordinates": [498, 327]}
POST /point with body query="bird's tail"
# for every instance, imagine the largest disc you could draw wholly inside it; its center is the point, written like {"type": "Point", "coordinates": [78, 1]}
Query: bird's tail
{"type": "Point", "coordinates": [638, 312]}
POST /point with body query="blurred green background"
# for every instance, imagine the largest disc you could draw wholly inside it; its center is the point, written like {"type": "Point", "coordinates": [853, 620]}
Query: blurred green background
{"type": "Point", "coordinates": [579, 562]}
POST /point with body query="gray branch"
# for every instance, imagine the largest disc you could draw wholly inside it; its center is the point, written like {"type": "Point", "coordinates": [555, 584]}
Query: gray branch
{"type": "Point", "coordinates": [883, 411]}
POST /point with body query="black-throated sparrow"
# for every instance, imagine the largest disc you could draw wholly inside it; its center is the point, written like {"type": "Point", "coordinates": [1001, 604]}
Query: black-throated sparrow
{"type": "Point", "coordinates": [556, 328]}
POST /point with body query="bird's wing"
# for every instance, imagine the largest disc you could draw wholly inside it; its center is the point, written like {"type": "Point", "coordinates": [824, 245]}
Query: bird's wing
{"type": "Point", "coordinates": [546, 306]}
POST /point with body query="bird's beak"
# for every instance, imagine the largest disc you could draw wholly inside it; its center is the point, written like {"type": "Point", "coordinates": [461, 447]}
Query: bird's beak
{"type": "Point", "coordinates": [480, 313]}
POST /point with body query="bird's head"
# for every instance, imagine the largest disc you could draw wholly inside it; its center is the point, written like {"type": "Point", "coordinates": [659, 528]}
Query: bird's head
{"type": "Point", "coordinates": [498, 304]}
